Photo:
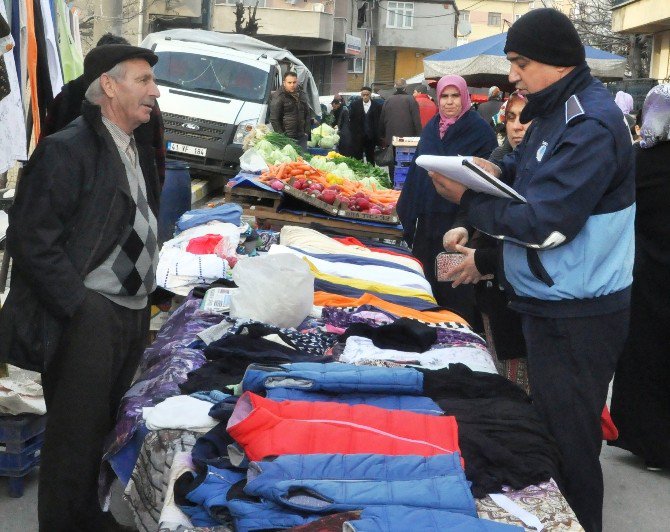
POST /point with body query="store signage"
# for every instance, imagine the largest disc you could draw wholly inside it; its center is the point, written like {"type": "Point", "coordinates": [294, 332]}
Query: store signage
{"type": "Point", "coordinates": [352, 45]}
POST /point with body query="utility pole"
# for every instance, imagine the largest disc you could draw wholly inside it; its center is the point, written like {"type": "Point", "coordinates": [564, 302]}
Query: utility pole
{"type": "Point", "coordinates": [108, 18]}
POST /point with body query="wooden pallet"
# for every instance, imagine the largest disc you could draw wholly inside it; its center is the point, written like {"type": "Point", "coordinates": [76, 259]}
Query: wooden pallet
{"type": "Point", "coordinates": [250, 197]}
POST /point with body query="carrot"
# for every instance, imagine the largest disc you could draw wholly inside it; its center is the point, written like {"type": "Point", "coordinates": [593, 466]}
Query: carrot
{"type": "Point", "coordinates": [280, 171]}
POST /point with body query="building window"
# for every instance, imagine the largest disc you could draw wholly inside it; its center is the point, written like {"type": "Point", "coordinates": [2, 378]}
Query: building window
{"type": "Point", "coordinates": [465, 15]}
{"type": "Point", "coordinates": [516, 17]}
{"type": "Point", "coordinates": [355, 65]}
{"type": "Point", "coordinates": [250, 3]}
{"type": "Point", "coordinates": [494, 19]}
{"type": "Point", "coordinates": [400, 15]}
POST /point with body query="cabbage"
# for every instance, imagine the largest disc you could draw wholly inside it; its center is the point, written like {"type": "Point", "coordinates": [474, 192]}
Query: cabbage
{"type": "Point", "coordinates": [289, 151]}
{"type": "Point", "coordinates": [327, 143]}
{"type": "Point", "coordinates": [264, 148]}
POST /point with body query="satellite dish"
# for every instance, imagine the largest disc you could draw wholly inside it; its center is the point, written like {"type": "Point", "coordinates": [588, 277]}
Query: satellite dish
{"type": "Point", "coordinates": [464, 27]}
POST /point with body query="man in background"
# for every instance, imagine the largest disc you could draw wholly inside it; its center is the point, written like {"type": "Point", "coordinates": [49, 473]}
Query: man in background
{"type": "Point", "coordinates": [400, 115]}
{"type": "Point", "coordinates": [427, 107]}
{"type": "Point", "coordinates": [364, 115]}
{"type": "Point", "coordinates": [289, 110]}
{"type": "Point", "coordinates": [491, 107]}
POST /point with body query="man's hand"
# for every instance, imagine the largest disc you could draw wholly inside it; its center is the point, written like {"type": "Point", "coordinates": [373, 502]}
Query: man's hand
{"type": "Point", "coordinates": [448, 189]}
{"type": "Point", "coordinates": [466, 272]}
{"type": "Point", "coordinates": [454, 237]}
{"type": "Point", "coordinates": [488, 166]}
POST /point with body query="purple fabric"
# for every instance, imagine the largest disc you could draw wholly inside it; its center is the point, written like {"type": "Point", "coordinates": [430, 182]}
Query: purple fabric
{"type": "Point", "coordinates": [656, 117]}
{"type": "Point", "coordinates": [343, 317]}
{"type": "Point", "coordinates": [163, 366]}
{"type": "Point", "coordinates": [624, 101]}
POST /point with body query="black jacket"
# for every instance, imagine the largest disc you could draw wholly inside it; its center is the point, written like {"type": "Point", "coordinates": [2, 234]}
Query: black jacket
{"type": "Point", "coordinates": [71, 207]}
{"type": "Point", "coordinates": [357, 118]}
{"type": "Point", "coordinates": [290, 114]}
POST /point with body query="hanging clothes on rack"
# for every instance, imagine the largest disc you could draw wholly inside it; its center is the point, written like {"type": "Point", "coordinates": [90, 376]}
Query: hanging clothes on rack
{"type": "Point", "coordinates": [44, 90]}
{"type": "Point", "coordinates": [6, 44]}
{"type": "Point", "coordinates": [50, 50]}
{"type": "Point", "coordinates": [20, 35]}
{"type": "Point", "coordinates": [31, 65]}
{"type": "Point", "coordinates": [12, 120]}
{"type": "Point", "coordinates": [72, 61]}
{"type": "Point", "coordinates": [74, 18]}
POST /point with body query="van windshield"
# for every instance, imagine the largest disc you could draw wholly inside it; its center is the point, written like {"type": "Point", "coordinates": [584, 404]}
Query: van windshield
{"type": "Point", "coordinates": [211, 75]}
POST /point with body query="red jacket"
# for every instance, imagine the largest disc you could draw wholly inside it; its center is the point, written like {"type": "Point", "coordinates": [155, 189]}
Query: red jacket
{"type": "Point", "coordinates": [270, 428]}
{"type": "Point", "coordinates": [427, 108]}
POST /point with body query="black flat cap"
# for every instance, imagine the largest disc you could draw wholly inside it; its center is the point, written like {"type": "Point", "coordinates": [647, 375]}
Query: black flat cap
{"type": "Point", "coordinates": [103, 58]}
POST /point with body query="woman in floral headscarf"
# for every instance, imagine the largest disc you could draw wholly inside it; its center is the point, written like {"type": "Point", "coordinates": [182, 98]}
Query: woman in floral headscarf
{"type": "Point", "coordinates": [641, 393]}
{"type": "Point", "coordinates": [425, 215]}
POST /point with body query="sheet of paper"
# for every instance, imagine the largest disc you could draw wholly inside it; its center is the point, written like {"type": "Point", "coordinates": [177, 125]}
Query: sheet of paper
{"type": "Point", "coordinates": [463, 170]}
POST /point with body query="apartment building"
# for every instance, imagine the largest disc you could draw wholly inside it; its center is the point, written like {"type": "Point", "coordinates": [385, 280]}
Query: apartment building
{"type": "Point", "coordinates": [489, 17]}
{"type": "Point", "coordinates": [398, 37]}
{"type": "Point", "coordinates": [650, 17]}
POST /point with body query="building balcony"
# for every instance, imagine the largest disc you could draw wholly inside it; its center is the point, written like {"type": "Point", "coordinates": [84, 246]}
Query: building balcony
{"type": "Point", "coordinates": [640, 16]}
{"type": "Point", "coordinates": [302, 27]}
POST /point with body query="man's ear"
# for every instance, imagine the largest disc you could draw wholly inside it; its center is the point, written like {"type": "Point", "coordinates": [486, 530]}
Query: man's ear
{"type": "Point", "coordinates": [107, 85]}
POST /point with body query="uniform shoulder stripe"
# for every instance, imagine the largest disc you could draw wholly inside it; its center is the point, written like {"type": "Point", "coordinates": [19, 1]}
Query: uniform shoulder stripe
{"type": "Point", "coordinates": [573, 108]}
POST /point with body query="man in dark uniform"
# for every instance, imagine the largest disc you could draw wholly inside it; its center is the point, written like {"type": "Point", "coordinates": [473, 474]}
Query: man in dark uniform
{"type": "Point", "coordinates": [568, 250]}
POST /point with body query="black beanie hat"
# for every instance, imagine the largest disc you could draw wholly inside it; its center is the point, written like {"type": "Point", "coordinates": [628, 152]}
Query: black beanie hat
{"type": "Point", "coordinates": [103, 58]}
{"type": "Point", "coordinates": [546, 35]}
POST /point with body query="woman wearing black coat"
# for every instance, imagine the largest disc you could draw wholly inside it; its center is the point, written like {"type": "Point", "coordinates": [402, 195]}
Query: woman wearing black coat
{"type": "Point", "coordinates": [641, 392]}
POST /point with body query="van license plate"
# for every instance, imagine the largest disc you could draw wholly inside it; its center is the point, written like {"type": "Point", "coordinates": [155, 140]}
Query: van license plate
{"type": "Point", "coordinates": [183, 148]}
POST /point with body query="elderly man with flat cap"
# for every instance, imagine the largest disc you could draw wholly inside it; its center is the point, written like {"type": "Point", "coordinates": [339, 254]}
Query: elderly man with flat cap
{"type": "Point", "coordinates": [83, 239]}
{"type": "Point", "coordinates": [568, 250]}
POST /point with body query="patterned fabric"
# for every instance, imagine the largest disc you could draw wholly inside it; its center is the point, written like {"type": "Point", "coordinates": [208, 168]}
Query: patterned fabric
{"type": "Point", "coordinates": [312, 341]}
{"type": "Point", "coordinates": [514, 369]}
{"type": "Point", "coordinates": [267, 238]}
{"type": "Point", "coordinates": [448, 333]}
{"type": "Point", "coordinates": [544, 501]}
{"type": "Point", "coordinates": [656, 117]}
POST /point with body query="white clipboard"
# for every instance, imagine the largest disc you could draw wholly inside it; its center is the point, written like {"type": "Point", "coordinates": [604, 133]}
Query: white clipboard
{"type": "Point", "coordinates": [464, 171]}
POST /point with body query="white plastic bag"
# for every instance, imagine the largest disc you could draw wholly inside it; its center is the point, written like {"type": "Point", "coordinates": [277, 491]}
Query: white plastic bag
{"type": "Point", "coordinates": [252, 161]}
{"type": "Point", "coordinates": [273, 289]}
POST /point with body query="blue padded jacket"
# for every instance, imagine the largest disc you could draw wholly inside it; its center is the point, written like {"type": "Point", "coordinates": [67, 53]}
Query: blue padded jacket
{"type": "Point", "coordinates": [408, 403]}
{"type": "Point", "coordinates": [326, 483]}
{"type": "Point", "coordinates": [334, 377]}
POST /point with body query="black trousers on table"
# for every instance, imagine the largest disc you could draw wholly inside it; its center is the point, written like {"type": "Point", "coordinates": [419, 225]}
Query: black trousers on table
{"type": "Point", "coordinates": [93, 368]}
{"type": "Point", "coordinates": [571, 362]}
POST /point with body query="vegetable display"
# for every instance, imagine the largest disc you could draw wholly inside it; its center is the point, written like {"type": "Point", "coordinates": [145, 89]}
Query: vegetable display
{"type": "Point", "coordinates": [351, 195]}
{"type": "Point", "coordinates": [324, 136]}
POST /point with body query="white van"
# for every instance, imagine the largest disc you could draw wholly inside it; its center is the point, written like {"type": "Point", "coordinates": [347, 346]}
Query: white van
{"type": "Point", "coordinates": [215, 88]}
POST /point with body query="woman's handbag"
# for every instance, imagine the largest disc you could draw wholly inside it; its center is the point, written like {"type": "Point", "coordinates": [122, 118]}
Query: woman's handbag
{"type": "Point", "coordinates": [384, 156]}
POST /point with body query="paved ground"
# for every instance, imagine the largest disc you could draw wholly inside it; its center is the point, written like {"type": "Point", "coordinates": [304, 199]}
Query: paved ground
{"type": "Point", "coordinates": [635, 499]}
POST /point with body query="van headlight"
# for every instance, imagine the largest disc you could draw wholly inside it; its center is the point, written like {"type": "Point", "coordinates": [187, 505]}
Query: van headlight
{"type": "Point", "coordinates": [243, 129]}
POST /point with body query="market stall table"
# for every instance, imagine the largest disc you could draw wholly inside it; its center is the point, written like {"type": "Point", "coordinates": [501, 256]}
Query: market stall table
{"type": "Point", "coordinates": [447, 365]}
